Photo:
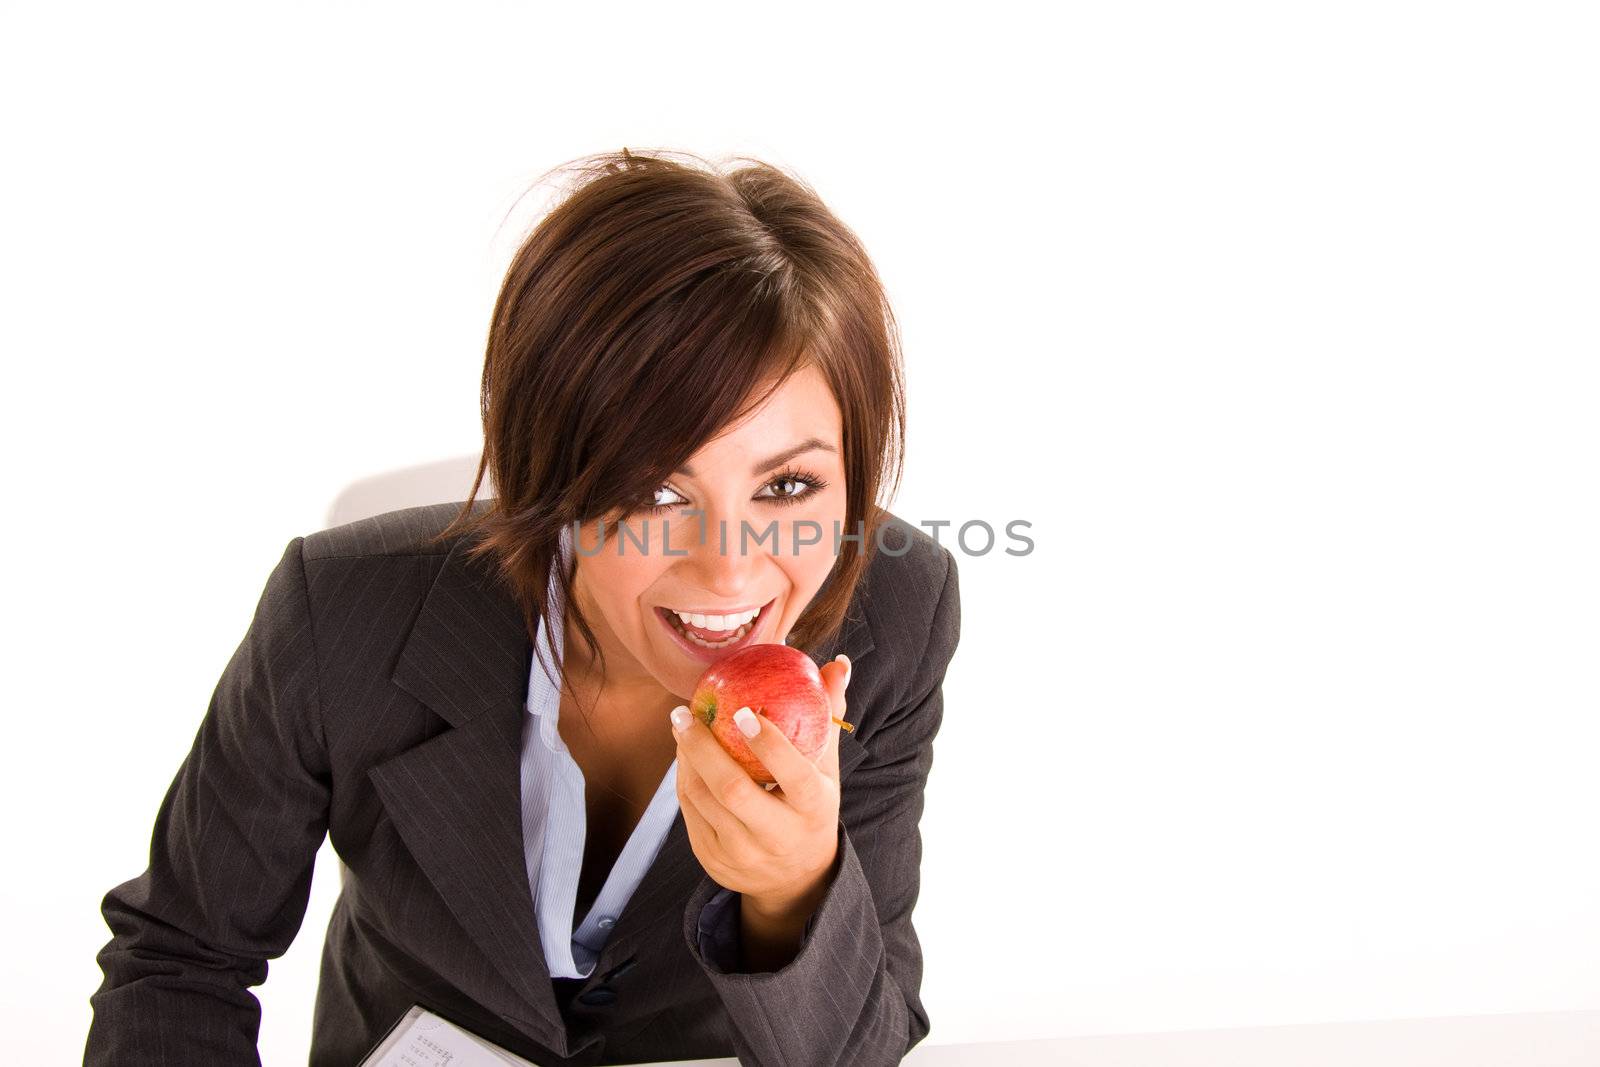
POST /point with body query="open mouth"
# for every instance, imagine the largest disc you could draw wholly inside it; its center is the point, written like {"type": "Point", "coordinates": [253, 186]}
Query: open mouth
{"type": "Point", "coordinates": [703, 636]}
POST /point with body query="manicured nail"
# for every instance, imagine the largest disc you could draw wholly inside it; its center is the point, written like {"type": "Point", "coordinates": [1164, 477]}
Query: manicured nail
{"type": "Point", "coordinates": [680, 718]}
{"type": "Point", "coordinates": [842, 656]}
{"type": "Point", "coordinates": [747, 722]}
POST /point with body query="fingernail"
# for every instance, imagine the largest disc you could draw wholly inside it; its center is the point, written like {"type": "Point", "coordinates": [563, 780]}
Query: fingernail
{"type": "Point", "coordinates": [747, 722]}
{"type": "Point", "coordinates": [842, 656]}
{"type": "Point", "coordinates": [680, 718]}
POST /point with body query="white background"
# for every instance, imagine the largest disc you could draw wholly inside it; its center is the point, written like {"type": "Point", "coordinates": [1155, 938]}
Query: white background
{"type": "Point", "coordinates": [1277, 321]}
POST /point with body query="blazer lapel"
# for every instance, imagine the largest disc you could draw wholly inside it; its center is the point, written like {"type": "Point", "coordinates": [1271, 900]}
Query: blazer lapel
{"type": "Point", "coordinates": [456, 798]}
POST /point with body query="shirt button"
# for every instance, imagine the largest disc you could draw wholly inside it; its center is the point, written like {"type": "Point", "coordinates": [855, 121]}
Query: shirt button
{"type": "Point", "coordinates": [607, 922]}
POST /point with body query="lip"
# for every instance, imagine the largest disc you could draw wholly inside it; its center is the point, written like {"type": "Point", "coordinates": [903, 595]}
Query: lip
{"type": "Point", "coordinates": [712, 655]}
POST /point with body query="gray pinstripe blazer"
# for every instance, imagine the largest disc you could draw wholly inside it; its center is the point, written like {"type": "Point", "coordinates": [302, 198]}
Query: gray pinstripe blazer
{"type": "Point", "coordinates": [377, 696]}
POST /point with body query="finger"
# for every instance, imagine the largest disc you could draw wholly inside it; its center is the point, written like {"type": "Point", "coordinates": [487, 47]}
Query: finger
{"type": "Point", "coordinates": [835, 679]}
{"type": "Point", "coordinates": [836, 676]}
{"type": "Point", "coordinates": [828, 761]}
{"type": "Point", "coordinates": [692, 791]}
{"type": "Point", "coordinates": [702, 835]}
{"type": "Point", "coordinates": [724, 780]}
{"type": "Point", "coordinates": [797, 776]}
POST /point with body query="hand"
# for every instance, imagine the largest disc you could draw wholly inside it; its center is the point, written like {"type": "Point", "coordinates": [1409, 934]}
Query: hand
{"type": "Point", "coordinates": [775, 846]}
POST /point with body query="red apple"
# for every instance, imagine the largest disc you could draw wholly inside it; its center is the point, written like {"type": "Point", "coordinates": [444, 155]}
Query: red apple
{"type": "Point", "coordinates": [775, 681]}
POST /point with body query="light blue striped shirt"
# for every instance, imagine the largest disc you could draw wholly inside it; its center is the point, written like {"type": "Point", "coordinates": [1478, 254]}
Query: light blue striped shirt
{"type": "Point", "coordinates": [554, 816]}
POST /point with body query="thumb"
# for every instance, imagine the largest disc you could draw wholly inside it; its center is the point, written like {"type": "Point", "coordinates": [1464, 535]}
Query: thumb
{"type": "Point", "coordinates": [836, 676]}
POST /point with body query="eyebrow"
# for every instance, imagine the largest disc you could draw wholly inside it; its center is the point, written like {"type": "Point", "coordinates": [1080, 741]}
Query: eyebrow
{"type": "Point", "coordinates": [810, 444]}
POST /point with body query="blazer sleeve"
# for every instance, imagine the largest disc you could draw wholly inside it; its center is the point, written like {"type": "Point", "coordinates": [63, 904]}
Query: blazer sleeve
{"type": "Point", "coordinates": [231, 856]}
{"type": "Point", "coordinates": [851, 996]}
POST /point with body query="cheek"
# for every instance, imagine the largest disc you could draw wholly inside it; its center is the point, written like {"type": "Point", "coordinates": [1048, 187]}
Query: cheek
{"type": "Point", "coordinates": [807, 571]}
{"type": "Point", "coordinates": [618, 584]}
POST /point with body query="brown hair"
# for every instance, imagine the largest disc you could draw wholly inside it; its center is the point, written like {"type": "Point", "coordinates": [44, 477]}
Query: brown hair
{"type": "Point", "coordinates": [671, 296]}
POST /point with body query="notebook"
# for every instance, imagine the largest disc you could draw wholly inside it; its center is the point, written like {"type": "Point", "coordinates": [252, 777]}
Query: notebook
{"type": "Point", "coordinates": [423, 1039]}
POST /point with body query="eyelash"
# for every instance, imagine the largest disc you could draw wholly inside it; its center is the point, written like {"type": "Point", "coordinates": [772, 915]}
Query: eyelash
{"type": "Point", "coordinates": [791, 474]}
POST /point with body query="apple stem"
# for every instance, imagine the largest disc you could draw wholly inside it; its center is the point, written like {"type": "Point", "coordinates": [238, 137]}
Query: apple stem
{"type": "Point", "coordinates": [840, 722]}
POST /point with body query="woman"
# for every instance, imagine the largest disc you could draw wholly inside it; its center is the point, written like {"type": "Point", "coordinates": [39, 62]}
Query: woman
{"type": "Point", "coordinates": [481, 703]}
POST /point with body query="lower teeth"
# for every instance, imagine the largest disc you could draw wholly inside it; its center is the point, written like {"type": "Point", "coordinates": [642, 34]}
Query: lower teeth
{"type": "Point", "coordinates": [738, 635]}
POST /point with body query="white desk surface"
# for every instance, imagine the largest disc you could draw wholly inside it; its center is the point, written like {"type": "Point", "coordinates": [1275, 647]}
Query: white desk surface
{"type": "Point", "coordinates": [1544, 1039]}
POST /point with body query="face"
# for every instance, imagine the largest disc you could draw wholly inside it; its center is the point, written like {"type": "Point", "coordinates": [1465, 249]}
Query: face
{"type": "Point", "coordinates": [627, 596]}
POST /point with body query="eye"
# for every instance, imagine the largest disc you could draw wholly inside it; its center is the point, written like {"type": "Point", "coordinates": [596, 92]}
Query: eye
{"type": "Point", "coordinates": [657, 506]}
{"type": "Point", "coordinates": [792, 486]}
{"type": "Point", "coordinates": [790, 481]}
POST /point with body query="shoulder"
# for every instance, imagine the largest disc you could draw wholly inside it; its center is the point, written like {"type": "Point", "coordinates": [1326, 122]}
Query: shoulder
{"type": "Point", "coordinates": [908, 566]}
{"type": "Point", "coordinates": [911, 596]}
{"type": "Point", "coordinates": [366, 580]}
{"type": "Point", "coordinates": [403, 532]}
{"type": "Point", "coordinates": [378, 586]}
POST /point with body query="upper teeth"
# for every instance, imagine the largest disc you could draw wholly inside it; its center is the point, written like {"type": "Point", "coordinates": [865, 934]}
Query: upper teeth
{"type": "Point", "coordinates": [718, 622]}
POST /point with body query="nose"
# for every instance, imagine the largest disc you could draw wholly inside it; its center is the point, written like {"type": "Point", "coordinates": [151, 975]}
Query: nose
{"type": "Point", "coordinates": [726, 565]}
